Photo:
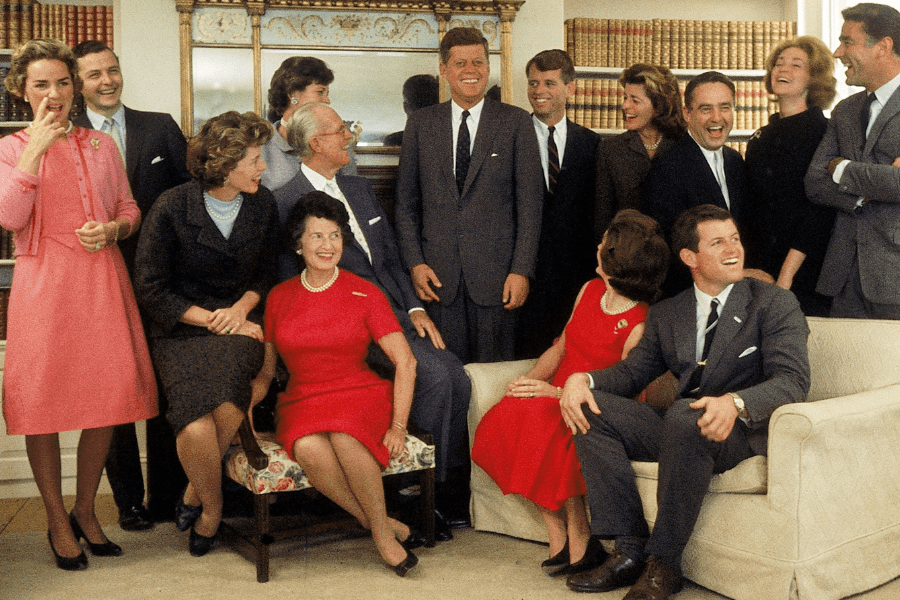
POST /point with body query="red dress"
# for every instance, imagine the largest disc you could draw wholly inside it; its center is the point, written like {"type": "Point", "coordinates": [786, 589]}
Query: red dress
{"type": "Point", "coordinates": [523, 443]}
{"type": "Point", "coordinates": [323, 338]}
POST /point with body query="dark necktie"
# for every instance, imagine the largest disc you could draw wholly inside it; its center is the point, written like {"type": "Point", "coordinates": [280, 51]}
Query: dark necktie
{"type": "Point", "coordinates": [552, 162]}
{"type": "Point", "coordinates": [864, 115]}
{"type": "Point", "coordinates": [463, 141]}
{"type": "Point", "coordinates": [711, 322]}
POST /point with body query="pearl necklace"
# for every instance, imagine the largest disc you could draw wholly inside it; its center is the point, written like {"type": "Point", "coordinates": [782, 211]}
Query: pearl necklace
{"type": "Point", "coordinates": [321, 288]}
{"type": "Point", "coordinates": [631, 304]}
{"type": "Point", "coordinates": [651, 147]}
{"type": "Point", "coordinates": [236, 205]}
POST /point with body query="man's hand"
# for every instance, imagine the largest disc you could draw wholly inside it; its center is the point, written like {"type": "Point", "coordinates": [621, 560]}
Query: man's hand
{"type": "Point", "coordinates": [832, 165]}
{"type": "Point", "coordinates": [425, 326]}
{"type": "Point", "coordinates": [575, 393]}
{"type": "Point", "coordinates": [718, 418]}
{"type": "Point", "coordinates": [515, 290]}
{"type": "Point", "coordinates": [422, 278]}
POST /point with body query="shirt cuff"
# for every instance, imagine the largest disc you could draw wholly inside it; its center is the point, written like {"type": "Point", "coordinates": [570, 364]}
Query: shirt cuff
{"type": "Point", "coordinates": [412, 310]}
{"type": "Point", "coordinates": [590, 381]}
{"type": "Point", "coordinates": [839, 170]}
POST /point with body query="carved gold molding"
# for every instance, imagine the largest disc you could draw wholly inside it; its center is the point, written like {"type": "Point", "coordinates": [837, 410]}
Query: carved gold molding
{"type": "Point", "coordinates": [445, 11]}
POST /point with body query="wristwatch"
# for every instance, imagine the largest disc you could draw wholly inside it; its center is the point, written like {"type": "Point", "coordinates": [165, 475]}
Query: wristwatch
{"type": "Point", "coordinates": [740, 406]}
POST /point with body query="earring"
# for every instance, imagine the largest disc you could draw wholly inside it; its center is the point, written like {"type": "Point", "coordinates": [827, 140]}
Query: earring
{"type": "Point", "coordinates": [299, 251]}
{"type": "Point", "coordinates": [295, 101]}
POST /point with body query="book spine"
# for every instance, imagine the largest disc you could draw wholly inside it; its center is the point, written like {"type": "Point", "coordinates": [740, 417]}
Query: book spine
{"type": "Point", "coordinates": [109, 29]}
{"type": "Point", "coordinates": [4, 24]}
{"type": "Point", "coordinates": [15, 9]}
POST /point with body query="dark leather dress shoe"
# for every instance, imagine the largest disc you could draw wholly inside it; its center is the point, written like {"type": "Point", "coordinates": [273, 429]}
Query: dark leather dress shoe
{"type": "Point", "coordinates": [658, 582]}
{"type": "Point", "coordinates": [594, 556]}
{"type": "Point", "coordinates": [105, 549]}
{"type": "Point", "coordinates": [560, 559]}
{"type": "Point", "coordinates": [135, 518]}
{"type": "Point", "coordinates": [415, 539]}
{"type": "Point", "coordinates": [455, 521]}
{"type": "Point", "coordinates": [442, 531]}
{"type": "Point", "coordinates": [617, 571]}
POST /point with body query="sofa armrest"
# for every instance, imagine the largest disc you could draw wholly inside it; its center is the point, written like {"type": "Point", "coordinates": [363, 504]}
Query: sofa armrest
{"type": "Point", "coordinates": [489, 382]}
{"type": "Point", "coordinates": [834, 463]}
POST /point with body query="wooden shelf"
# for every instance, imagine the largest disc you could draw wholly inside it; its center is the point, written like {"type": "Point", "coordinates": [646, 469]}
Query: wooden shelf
{"type": "Point", "coordinates": [604, 72]}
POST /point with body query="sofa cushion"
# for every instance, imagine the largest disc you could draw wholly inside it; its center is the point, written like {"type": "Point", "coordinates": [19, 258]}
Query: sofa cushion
{"type": "Point", "coordinates": [748, 477]}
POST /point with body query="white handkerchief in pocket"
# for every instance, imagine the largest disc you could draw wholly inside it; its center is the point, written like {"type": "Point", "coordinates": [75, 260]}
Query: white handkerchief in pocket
{"type": "Point", "coordinates": [494, 154]}
{"type": "Point", "coordinates": [748, 351]}
{"type": "Point", "coordinates": [156, 160]}
{"type": "Point", "coordinates": [375, 220]}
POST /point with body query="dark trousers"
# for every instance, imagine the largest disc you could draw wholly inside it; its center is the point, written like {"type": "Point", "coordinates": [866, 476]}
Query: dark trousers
{"type": "Point", "coordinates": [851, 303]}
{"type": "Point", "coordinates": [123, 467]}
{"type": "Point", "coordinates": [628, 430]}
{"type": "Point", "coordinates": [472, 332]}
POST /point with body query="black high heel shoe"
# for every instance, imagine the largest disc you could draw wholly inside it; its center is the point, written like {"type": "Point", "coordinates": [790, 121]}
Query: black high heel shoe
{"type": "Point", "coordinates": [415, 539]}
{"type": "Point", "coordinates": [107, 549]}
{"type": "Point", "coordinates": [185, 514]}
{"type": "Point", "coordinates": [405, 565]}
{"type": "Point", "coordinates": [560, 559]}
{"type": "Point", "coordinates": [78, 563]}
{"type": "Point", "coordinates": [594, 556]}
{"type": "Point", "coordinates": [200, 545]}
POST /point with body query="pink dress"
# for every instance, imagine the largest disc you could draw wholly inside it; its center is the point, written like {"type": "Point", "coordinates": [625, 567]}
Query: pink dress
{"type": "Point", "coordinates": [76, 357]}
{"type": "Point", "coordinates": [323, 338]}
{"type": "Point", "coordinates": [523, 443]}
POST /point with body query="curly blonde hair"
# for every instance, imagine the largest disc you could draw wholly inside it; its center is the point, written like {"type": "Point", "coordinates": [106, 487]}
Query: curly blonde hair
{"type": "Point", "coordinates": [222, 143]}
{"type": "Point", "coordinates": [29, 52]}
{"type": "Point", "coordinates": [821, 90]}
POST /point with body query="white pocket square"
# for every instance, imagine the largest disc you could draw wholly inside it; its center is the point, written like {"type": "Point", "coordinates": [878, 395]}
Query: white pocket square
{"type": "Point", "coordinates": [748, 351]}
{"type": "Point", "coordinates": [375, 220]}
{"type": "Point", "coordinates": [156, 160]}
{"type": "Point", "coordinates": [494, 154]}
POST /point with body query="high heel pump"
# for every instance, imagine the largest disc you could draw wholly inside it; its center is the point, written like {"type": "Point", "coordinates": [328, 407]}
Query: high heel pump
{"type": "Point", "coordinates": [405, 565]}
{"type": "Point", "coordinates": [78, 563]}
{"type": "Point", "coordinates": [200, 545]}
{"type": "Point", "coordinates": [106, 549]}
{"type": "Point", "coordinates": [185, 514]}
{"type": "Point", "coordinates": [557, 560]}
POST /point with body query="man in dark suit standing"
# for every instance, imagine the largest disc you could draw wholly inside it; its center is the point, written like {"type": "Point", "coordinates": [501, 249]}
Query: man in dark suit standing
{"type": "Point", "coordinates": [567, 257]}
{"type": "Point", "coordinates": [154, 151]}
{"type": "Point", "coordinates": [852, 170]}
{"type": "Point", "coordinates": [738, 349]}
{"type": "Point", "coordinates": [441, 397]}
{"type": "Point", "coordinates": [468, 210]}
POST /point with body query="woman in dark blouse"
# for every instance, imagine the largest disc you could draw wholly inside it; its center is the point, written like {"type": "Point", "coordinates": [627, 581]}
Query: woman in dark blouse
{"type": "Point", "coordinates": [791, 233]}
{"type": "Point", "coordinates": [205, 263]}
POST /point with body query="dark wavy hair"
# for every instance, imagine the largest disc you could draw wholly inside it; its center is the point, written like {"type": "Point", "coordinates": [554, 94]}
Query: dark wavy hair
{"type": "Point", "coordinates": [551, 60]}
{"type": "Point", "coordinates": [294, 75]}
{"type": "Point", "coordinates": [684, 231]}
{"type": "Point", "coordinates": [662, 88]}
{"type": "Point", "coordinates": [878, 21]}
{"type": "Point", "coordinates": [635, 256]}
{"type": "Point", "coordinates": [315, 204]}
{"type": "Point", "coordinates": [462, 36]}
{"type": "Point", "coordinates": [821, 90]}
{"type": "Point", "coordinates": [222, 143]}
{"type": "Point", "coordinates": [706, 77]}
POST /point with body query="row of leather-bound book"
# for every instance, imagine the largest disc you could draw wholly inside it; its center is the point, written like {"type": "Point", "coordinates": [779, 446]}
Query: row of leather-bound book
{"type": "Point", "coordinates": [678, 44]}
{"type": "Point", "coordinates": [23, 20]}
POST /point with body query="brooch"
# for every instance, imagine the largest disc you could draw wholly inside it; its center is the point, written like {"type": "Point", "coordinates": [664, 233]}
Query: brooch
{"type": "Point", "coordinates": [622, 324]}
{"type": "Point", "coordinates": [95, 142]}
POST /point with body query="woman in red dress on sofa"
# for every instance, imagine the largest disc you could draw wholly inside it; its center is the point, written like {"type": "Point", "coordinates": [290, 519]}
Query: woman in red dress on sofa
{"type": "Point", "coordinates": [522, 442]}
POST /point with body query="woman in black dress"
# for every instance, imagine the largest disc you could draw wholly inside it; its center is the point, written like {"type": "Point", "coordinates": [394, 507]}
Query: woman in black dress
{"type": "Point", "coordinates": [205, 263]}
{"type": "Point", "coordinates": [791, 233]}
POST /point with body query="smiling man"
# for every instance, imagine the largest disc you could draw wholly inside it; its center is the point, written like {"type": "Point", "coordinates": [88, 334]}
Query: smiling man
{"type": "Point", "coordinates": [468, 210]}
{"type": "Point", "coordinates": [738, 349]}
{"type": "Point", "coordinates": [700, 168]}
{"type": "Point", "coordinates": [154, 151]}
{"type": "Point", "coordinates": [566, 252]}
{"type": "Point", "coordinates": [852, 171]}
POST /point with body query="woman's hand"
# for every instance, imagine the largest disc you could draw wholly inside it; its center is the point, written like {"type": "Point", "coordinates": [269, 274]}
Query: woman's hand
{"type": "Point", "coordinates": [523, 387]}
{"type": "Point", "coordinates": [250, 329]}
{"type": "Point", "coordinates": [45, 129]}
{"type": "Point", "coordinates": [226, 321]}
{"type": "Point", "coordinates": [395, 441]}
{"type": "Point", "coordinates": [95, 236]}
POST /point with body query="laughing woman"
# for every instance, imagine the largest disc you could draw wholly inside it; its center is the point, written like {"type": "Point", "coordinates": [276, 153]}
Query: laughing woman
{"type": "Point", "coordinates": [205, 262]}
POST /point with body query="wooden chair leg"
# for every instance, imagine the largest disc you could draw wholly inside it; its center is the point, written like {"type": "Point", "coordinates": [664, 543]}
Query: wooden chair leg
{"type": "Point", "coordinates": [263, 536]}
{"type": "Point", "coordinates": [426, 482]}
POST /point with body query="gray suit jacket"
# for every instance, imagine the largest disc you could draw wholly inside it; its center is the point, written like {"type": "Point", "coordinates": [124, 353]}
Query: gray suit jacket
{"type": "Point", "coordinates": [489, 231]}
{"type": "Point", "coordinates": [758, 352]}
{"type": "Point", "coordinates": [872, 232]}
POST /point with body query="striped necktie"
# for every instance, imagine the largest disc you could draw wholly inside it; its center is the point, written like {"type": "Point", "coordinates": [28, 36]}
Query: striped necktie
{"type": "Point", "coordinates": [463, 143]}
{"type": "Point", "coordinates": [552, 162]}
{"type": "Point", "coordinates": [711, 322]}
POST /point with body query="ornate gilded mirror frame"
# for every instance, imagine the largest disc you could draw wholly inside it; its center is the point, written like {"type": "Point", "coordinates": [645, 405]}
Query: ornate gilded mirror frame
{"type": "Point", "coordinates": [310, 25]}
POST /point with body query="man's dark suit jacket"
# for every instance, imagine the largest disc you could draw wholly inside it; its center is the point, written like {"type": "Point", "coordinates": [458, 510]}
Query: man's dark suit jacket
{"type": "Point", "coordinates": [183, 259]}
{"type": "Point", "coordinates": [492, 228]}
{"type": "Point", "coordinates": [681, 179]}
{"type": "Point", "coordinates": [759, 352]}
{"type": "Point", "coordinates": [567, 254]}
{"type": "Point", "coordinates": [155, 157]}
{"type": "Point", "coordinates": [386, 269]}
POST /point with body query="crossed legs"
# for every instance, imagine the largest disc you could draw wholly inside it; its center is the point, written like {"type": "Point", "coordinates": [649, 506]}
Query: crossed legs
{"type": "Point", "coordinates": [201, 446]}
{"type": "Point", "coordinates": [340, 467]}
{"type": "Point", "coordinates": [44, 458]}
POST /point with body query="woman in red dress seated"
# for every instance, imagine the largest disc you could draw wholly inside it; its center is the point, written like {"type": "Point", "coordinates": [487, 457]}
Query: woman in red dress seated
{"type": "Point", "coordinates": [522, 442]}
{"type": "Point", "coordinates": [337, 418]}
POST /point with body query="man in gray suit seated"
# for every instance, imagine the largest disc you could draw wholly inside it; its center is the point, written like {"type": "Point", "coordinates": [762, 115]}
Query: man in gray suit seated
{"type": "Point", "coordinates": [852, 170]}
{"type": "Point", "coordinates": [738, 348]}
{"type": "Point", "coordinates": [441, 397]}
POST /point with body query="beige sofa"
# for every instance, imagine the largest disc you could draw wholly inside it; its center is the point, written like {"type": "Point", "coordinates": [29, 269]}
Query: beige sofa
{"type": "Point", "coordinates": [818, 520]}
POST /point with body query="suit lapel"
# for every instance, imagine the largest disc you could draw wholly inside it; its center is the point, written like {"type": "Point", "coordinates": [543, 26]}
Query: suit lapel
{"type": "Point", "coordinates": [487, 129]}
{"type": "Point", "coordinates": [363, 214]}
{"type": "Point", "coordinates": [209, 235]}
{"type": "Point", "coordinates": [684, 327]}
{"type": "Point", "coordinates": [887, 113]}
{"type": "Point", "coordinates": [446, 153]}
{"type": "Point", "coordinates": [705, 171]}
{"type": "Point", "coordinates": [732, 319]}
{"type": "Point", "coordinates": [134, 141]}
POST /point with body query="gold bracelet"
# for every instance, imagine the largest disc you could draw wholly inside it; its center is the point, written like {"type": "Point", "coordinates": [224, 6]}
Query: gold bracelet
{"type": "Point", "coordinates": [558, 392]}
{"type": "Point", "coordinates": [399, 425]}
{"type": "Point", "coordinates": [116, 238]}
